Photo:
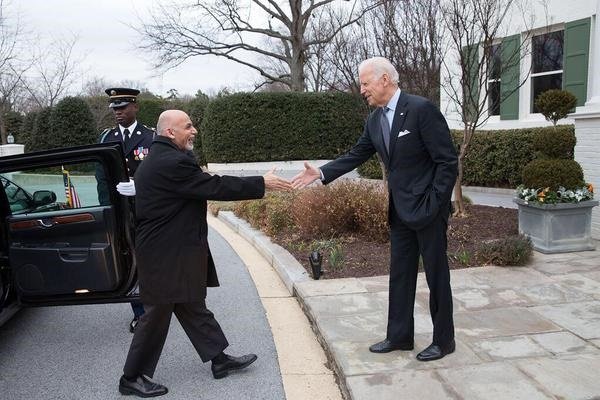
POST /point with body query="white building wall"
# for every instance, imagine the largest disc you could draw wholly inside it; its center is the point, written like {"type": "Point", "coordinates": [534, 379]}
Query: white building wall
{"type": "Point", "coordinates": [535, 17]}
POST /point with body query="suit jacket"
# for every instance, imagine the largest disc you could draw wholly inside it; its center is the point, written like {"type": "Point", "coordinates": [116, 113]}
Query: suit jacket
{"type": "Point", "coordinates": [136, 151]}
{"type": "Point", "coordinates": [137, 148]}
{"type": "Point", "coordinates": [421, 164]}
{"type": "Point", "coordinates": [172, 254]}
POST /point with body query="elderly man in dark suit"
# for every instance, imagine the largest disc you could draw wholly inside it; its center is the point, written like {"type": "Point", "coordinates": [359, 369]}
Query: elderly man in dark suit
{"type": "Point", "coordinates": [173, 259]}
{"type": "Point", "coordinates": [413, 140]}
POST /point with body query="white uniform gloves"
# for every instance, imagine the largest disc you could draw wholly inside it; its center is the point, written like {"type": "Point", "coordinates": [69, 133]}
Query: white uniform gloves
{"type": "Point", "coordinates": [126, 188]}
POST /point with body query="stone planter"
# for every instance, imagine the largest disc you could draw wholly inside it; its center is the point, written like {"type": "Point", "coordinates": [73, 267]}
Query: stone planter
{"type": "Point", "coordinates": [557, 228]}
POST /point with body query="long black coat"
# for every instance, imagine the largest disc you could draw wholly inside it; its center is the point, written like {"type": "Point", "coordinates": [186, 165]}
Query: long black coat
{"type": "Point", "coordinates": [421, 164]}
{"type": "Point", "coordinates": [172, 255]}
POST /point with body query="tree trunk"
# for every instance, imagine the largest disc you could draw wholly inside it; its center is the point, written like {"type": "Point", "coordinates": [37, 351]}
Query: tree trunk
{"type": "Point", "coordinates": [459, 204]}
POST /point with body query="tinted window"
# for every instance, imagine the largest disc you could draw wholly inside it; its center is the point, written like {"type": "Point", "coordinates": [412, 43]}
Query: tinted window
{"type": "Point", "coordinates": [46, 189]}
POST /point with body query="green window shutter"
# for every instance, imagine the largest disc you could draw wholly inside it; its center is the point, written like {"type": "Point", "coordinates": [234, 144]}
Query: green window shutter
{"type": "Point", "coordinates": [576, 53]}
{"type": "Point", "coordinates": [509, 78]}
{"type": "Point", "coordinates": [470, 57]}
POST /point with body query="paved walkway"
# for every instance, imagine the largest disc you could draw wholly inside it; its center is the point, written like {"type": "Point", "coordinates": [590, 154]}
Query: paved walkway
{"type": "Point", "coordinates": [522, 333]}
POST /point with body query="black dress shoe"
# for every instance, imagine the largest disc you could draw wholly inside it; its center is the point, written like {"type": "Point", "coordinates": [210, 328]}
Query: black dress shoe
{"type": "Point", "coordinates": [141, 386]}
{"type": "Point", "coordinates": [435, 352]}
{"type": "Point", "coordinates": [385, 346]}
{"type": "Point", "coordinates": [133, 324]}
{"type": "Point", "coordinates": [222, 368]}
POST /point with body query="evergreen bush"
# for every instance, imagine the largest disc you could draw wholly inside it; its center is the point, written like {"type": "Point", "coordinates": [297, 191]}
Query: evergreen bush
{"type": "Point", "coordinates": [555, 104]}
{"type": "Point", "coordinates": [71, 124]}
{"type": "Point", "coordinates": [248, 127]}
{"type": "Point", "coordinates": [41, 135]}
{"type": "Point", "coordinates": [553, 173]}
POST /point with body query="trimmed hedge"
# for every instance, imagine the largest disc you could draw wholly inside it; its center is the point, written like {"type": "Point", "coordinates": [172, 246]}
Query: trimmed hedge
{"type": "Point", "coordinates": [247, 127]}
{"type": "Point", "coordinates": [497, 158]}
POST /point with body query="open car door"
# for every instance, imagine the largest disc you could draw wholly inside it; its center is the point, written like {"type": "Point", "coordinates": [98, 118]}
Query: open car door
{"type": "Point", "coordinates": [66, 233]}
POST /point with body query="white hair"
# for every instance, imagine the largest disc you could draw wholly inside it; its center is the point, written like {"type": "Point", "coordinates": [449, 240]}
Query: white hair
{"type": "Point", "coordinates": [380, 65]}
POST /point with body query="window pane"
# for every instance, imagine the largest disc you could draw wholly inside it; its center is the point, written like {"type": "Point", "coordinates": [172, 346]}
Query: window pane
{"type": "Point", "coordinates": [494, 61]}
{"type": "Point", "coordinates": [548, 52]}
{"type": "Point", "coordinates": [51, 188]}
{"type": "Point", "coordinates": [542, 83]}
{"type": "Point", "coordinates": [494, 98]}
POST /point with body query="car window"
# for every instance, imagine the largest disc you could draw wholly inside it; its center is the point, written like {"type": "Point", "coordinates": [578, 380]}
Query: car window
{"type": "Point", "coordinates": [53, 188]}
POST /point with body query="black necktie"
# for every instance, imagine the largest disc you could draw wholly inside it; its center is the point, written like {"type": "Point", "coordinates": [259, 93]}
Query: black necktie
{"type": "Point", "coordinates": [126, 137]}
{"type": "Point", "coordinates": [385, 128]}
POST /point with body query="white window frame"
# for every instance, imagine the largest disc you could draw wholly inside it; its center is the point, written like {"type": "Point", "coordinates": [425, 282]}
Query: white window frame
{"type": "Point", "coordinates": [525, 100]}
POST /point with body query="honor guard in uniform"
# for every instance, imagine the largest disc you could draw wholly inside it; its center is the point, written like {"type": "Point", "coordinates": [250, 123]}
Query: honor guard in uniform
{"type": "Point", "coordinates": [136, 139]}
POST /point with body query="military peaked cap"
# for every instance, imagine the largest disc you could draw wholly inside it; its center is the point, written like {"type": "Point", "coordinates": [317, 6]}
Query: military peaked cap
{"type": "Point", "coordinates": [120, 97]}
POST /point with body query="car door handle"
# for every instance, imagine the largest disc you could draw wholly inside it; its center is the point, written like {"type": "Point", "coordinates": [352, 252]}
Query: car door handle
{"type": "Point", "coordinates": [48, 223]}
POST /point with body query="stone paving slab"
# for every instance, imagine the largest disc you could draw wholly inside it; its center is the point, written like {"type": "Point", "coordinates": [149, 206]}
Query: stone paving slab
{"type": "Point", "coordinates": [583, 319]}
{"type": "Point", "coordinates": [498, 381]}
{"type": "Point", "coordinates": [347, 304]}
{"type": "Point", "coordinates": [581, 283]}
{"type": "Point", "coordinates": [405, 384]}
{"type": "Point", "coordinates": [508, 347]}
{"type": "Point", "coordinates": [563, 343]}
{"type": "Point", "coordinates": [502, 322]}
{"type": "Point", "coordinates": [572, 377]}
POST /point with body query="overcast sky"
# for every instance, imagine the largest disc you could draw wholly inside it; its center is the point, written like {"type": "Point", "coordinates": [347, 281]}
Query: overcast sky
{"type": "Point", "coordinates": [109, 46]}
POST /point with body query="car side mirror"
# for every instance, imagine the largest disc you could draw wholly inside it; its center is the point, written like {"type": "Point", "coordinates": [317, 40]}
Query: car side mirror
{"type": "Point", "coordinates": [43, 197]}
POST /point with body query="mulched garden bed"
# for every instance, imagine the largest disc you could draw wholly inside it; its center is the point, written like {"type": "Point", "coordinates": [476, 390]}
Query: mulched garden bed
{"type": "Point", "coordinates": [362, 258]}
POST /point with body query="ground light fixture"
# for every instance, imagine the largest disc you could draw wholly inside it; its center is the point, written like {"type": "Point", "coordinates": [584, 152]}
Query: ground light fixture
{"type": "Point", "coordinates": [315, 260]}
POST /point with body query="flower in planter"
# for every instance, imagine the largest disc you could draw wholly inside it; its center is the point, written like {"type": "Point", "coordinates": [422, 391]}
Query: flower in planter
{"type": "Point", "coordinates": [562, 195]}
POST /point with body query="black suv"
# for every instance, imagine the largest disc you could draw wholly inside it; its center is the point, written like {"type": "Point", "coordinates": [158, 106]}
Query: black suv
{"type": "Point", "coordinates": [58, 244]}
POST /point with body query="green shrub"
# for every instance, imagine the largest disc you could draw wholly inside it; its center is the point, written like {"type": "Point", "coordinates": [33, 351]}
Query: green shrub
{"type": "Point", "coordinates": [71, 124]}
{"type": "Point", "coordinates": [41, 135]}
{"type": "Point", "coordinates": [555, 104]}
{"type": "Point", "coordinates": [371, 169]}
{"type": "Point", "coordinates": [553, 173]}
{"type": "Point", "coordinates": [26, 132]}
{"type": "Point", "coordinates": [149, 110]}
{"type": "Point", "coordinates": [514, 250]}
{"type": "Point", "coordinates": [280, 126]}
{"type": "Point", "coordinates": [496, 158]}
{"type": "Point", "coordinates": [554, 143]}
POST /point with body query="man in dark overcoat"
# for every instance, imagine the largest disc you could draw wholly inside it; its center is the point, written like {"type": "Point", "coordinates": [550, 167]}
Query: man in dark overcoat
{"type": "Point", "coordinates": [173, 259]}
{"type": "Point", "coordinates": [136, 139]}
{"type": "Point", "coordinates": [412, 138]}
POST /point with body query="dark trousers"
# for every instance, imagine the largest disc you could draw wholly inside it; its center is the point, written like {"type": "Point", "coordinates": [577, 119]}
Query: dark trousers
{"type": "Point", "coordinates": [406, 245]}
{"type": "Point", "coordinates": [148, 340]}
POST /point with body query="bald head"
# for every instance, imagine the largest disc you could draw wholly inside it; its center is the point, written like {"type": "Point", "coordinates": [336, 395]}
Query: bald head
{"type": "Point", "coordinates": [177, 126]}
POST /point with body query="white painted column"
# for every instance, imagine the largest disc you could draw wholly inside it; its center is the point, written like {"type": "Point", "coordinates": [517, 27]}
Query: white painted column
{"type": "Point", "coordinates": [587, 124]}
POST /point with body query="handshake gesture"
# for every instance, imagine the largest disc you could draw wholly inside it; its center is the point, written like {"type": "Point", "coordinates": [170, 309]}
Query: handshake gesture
{"type": "Point", "coordinates": [272, 181]}
{"type": "Point", "coordinates": [303, 179]}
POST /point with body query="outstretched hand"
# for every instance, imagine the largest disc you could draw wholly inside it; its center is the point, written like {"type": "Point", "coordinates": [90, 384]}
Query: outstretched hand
{"type": "Point", "coordinates": [306, 177]}
{"type": "Point", "coordinates": [274, 182]}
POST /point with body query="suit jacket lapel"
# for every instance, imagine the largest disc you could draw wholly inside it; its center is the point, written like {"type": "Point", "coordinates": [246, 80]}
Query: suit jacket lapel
{"type": "Point", "coordinates": [399, 118]}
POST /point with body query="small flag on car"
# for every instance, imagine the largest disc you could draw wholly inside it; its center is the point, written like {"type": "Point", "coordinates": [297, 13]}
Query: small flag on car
{"type": "Point", "coordinates": [70, 192]}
